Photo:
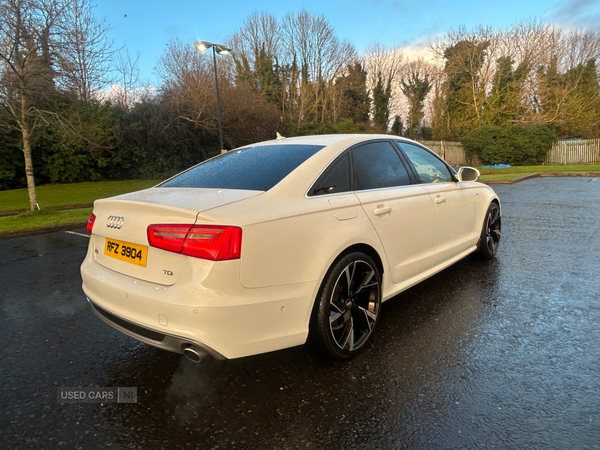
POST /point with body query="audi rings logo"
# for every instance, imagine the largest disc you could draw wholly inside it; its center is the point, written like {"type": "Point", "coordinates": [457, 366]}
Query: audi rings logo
{"type": "Point", "coordinates": [115, 222]}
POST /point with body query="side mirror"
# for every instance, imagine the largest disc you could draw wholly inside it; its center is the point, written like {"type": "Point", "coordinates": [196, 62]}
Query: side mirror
{"type": "Point", "coordinates": [467, 174]}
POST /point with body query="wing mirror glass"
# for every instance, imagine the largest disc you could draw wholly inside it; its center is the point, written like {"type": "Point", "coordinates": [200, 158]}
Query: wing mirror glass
{"type": "Point", "coordinates": [467, 174]}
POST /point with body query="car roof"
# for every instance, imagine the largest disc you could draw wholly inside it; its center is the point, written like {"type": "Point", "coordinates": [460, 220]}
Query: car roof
{"type": "Point", "coordinates": [328, 139]}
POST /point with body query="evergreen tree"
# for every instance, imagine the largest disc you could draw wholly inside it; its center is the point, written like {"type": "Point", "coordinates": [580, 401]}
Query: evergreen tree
{"type": "Point", "coordinates": [503, 104]}
{"type": "Point", "coordinates": [570, 101]}
{"type": "Point", "coordinates": [267, 77]}
{"type": "Point", "coordinates": [381, 102]}
{"type": "Point", "coordinates": [415, 87]}
{"type": "Point", "coordinates": [355, 97]}
{"type": "Point", "coordinates": [463, 92]}
{"type": "Point", "coordinates": [397, 126]}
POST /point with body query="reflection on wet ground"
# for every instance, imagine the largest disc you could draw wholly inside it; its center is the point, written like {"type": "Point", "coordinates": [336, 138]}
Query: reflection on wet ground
{"type": "Point", "coordinates": [498, 354]}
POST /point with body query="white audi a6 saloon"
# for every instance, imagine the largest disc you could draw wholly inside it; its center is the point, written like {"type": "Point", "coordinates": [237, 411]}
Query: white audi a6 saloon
{"type": "Point", "coordinates": [268, 245]}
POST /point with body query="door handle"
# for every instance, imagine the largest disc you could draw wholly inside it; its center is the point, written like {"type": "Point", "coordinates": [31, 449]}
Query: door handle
{"type": "Point", "coordinates": [380, 211]}
{"type": "Point", "coordinates": [440, 200]}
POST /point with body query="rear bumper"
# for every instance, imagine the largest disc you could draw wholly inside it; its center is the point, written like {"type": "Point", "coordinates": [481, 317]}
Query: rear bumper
{"type": "Point", "coordinates": [156, 339]}
{"type": "Point", "coordinates": [227, 320]}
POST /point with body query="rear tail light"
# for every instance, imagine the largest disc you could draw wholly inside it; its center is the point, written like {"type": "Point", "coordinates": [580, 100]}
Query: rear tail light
{"type": "Point", "coordinates": [214, 242]}
{"type": "Point", "coordinates": [90, 223]}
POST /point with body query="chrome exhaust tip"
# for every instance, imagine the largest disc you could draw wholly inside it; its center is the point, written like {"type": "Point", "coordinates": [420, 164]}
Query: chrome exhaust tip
{"type": "Point", "coordinates": [194, 353]}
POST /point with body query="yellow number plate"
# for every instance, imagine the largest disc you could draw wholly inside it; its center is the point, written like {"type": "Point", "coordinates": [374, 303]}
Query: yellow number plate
{"type": "Point", "coordinates": [126, 251]}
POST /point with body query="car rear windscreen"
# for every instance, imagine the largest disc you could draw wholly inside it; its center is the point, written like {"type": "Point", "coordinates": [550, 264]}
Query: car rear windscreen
{"type": "Point", "coordinates": [256, 168]}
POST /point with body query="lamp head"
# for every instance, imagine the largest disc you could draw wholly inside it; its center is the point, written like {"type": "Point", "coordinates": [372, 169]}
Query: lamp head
{"type": "Point", "coordinates": [202, 46]}
{"type": "Point", "coordinates": [222, 50]}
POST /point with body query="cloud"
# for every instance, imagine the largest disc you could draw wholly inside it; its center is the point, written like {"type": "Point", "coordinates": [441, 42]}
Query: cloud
{"type": "Point", "coordinates": [117, 95]}
{"type": "Point", "coordinates": [419, 47]}
{"type": "Point", "coordinates": [576, 14]}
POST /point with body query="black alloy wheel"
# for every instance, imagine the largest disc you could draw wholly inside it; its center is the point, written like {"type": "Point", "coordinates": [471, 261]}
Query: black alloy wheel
{"type": "Point", "coordinates": [348, 307]}
{"type": "Point", "coordinates": [490, 234]}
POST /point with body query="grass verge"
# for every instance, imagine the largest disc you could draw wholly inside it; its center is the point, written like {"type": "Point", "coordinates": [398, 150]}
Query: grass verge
{"type": "Point", "coordinates": [522, 171]}
{"type": "Point", "coordinates": [70, 194]}
{"type": "Point", "coordinates": [43, 218]}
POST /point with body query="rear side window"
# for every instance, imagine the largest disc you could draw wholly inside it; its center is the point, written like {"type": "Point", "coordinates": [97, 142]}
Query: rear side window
{"type": "Point", "coordinates": [335, 179]}
{"type": "Point", "coordinates": [253, 168]}
{"type": "Point", "coordinates": [377, 165]}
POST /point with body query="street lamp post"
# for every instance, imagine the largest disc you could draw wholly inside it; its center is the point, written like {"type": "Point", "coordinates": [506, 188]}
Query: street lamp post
{"type": "Point", "coordinates": [221, 50]}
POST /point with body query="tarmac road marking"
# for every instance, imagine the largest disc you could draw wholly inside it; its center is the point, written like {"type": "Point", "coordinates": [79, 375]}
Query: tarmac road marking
{"type": "Point", "coordinates": [78, 234]}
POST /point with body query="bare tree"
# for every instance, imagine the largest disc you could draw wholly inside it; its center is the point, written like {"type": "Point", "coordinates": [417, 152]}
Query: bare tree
{"type": "Point", "coordinates": [127, 78]}
{"type": "Point", "coordinates": [257, 56]}
{"type": "Point", "coordinates": [85, 52]}
{"type": "Point", "coordinates": [311, 41]}
{"type": "Point", "coordinates": [188, 83]}
{"type": "Point", "coordinates": [387, 62]}
{"type": "Point", "coordinates": [260, 32]}
{"type": "Point", "coordinates": [188, 89]}
{"type": "Point", "coordinates": [27, 36]}
{"type": "Point", "coordinates": [527, 41]}
{"type": "Point", "coordinates": [553, 92]}
{"type": "Point", "coordinates": [385, 65]}
{"type": "Point", "coordinates": [581, 46]}
{"type": "Point", "coordinates": [319, 56]}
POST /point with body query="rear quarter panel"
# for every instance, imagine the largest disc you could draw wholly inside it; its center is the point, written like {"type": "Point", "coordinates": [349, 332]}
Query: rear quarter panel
{"type": "Point", "coordinates": [294, 239]}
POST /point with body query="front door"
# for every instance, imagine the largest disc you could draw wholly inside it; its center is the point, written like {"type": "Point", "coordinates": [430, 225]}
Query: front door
{"type": "Point", "coordinates": [455, 203]}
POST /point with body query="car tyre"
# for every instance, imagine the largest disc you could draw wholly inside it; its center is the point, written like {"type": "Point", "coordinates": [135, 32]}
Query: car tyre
{"type": "Point", "coordinates": [347, 308]}
{"type": "Point", "coordinates": [489, 239]}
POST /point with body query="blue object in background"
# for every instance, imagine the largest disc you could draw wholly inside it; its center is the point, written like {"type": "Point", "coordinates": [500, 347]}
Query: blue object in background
{"type": "Point", "coordinates": [498, 166]}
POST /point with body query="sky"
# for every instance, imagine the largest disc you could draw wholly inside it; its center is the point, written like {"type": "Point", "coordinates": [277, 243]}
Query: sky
{"type": "Point", "coordinates": [145, 27]}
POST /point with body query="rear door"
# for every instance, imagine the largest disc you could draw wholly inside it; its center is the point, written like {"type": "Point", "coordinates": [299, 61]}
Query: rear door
{"type": "Point", "coordinates": [400, 210]}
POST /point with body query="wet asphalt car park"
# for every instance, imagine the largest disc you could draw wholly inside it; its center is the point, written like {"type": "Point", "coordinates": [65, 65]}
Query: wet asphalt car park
{"type": "Point", "coordinates": [487, 354]}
